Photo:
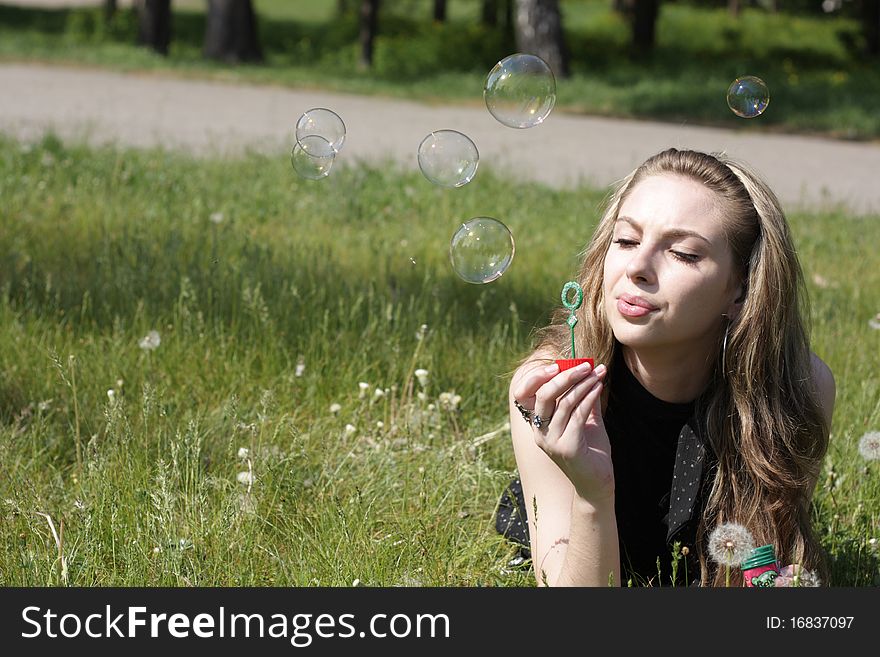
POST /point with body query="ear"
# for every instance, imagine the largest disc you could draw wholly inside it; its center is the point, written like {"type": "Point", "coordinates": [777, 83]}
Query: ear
{"type": "Point", "coordinates": [735, 306]}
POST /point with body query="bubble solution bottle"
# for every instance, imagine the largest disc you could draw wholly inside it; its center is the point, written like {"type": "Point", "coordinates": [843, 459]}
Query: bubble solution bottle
{"type": "Point", "coordinates": [760, 568]}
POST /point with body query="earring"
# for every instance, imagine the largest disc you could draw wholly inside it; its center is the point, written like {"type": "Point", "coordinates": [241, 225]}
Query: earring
{"type": "Point", "coordinates": [724, 348]}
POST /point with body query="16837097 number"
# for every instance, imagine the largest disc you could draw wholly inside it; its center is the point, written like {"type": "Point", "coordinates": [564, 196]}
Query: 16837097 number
{"type": "Point", "coordinates": [820, 622]}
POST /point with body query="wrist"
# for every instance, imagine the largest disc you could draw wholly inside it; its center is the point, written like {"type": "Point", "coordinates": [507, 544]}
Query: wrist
{"type": "Point", "coordinates": [594, 503]}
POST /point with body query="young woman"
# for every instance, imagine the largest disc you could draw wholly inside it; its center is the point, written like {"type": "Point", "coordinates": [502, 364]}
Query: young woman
{"type": "Point", "coordinates": [706, 405]}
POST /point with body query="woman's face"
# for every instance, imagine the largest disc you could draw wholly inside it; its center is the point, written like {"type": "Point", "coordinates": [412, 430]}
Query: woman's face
{"type": "Point", "coordinates": [669, 250]}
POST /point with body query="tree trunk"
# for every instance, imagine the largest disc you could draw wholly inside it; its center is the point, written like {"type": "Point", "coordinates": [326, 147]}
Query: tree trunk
{"type": "Point", "coordinates": [154, 25]}
{"type": "Point", "coordinates": [539, 32]}
{"type": "Point", "coordinates": [871, 26]}
{"type": "Point", "coordinates": [644, 21]}
{"type": "Point", "coordinates": [733, 8]}
{"type": "Point", "coordinates": [110, 7]}
{"type": "Point", "coordinates": [440, 11]}
{"type": "Point", "coordinates": [369, 21]}
{"type": "Point", "coordinates": [489, 15]}
{"type": "Point", "coordinates": [231, 32]}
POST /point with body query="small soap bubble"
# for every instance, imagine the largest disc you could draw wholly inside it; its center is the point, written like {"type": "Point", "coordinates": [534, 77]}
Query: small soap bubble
{"type": "Point", "coordinates": [520, 91]}
{"type": "Point", "coordinates": [448, 158]}
{"type": "Point", "coordinates": [481, 250]}
{"type": "Point", "coordinates": [748, 96]}
{"type": "Point", "coordinates": [312, 157]}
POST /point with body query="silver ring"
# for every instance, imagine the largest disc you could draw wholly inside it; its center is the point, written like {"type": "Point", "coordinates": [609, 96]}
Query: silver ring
{"type": "Point", "coordinates": [526, 413]}
{"type": "Point", "coordinates": [539, 421]}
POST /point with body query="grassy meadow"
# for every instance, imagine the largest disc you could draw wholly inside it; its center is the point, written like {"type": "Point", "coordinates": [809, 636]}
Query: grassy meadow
{"type": "Point", "coordinates": [273, 298]}
{"type": "Point", "coordinates": [818, 80]}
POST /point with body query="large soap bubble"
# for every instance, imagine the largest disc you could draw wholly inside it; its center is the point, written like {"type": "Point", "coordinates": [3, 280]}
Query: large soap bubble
{"type": "Point", "coordinates": [520, 91]}
{"type": "Point", "coordinates": [481, 250]}
{"type": "Point", "coordinates": [448, 158]}
{"type": "Point", "coordinates": [748, 96]}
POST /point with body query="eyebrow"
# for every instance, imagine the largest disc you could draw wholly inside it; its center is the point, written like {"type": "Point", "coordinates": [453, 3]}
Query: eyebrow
{"type": "Point", "coordinates": [674, 232]}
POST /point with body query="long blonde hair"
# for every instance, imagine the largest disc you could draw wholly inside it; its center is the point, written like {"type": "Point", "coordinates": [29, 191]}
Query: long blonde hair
{"type": "Point", "coordinates": [764, 420]}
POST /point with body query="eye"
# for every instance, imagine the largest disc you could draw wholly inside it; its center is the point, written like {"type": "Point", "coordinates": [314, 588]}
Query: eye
{"type": "Point", "coordinates": [689, 258]}
{"type": "Point", "coordinates": [624, 243]}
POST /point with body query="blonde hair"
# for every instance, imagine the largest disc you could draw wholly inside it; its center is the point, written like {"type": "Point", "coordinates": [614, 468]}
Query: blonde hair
{"type": "Point", "coordinates": [764, 420]}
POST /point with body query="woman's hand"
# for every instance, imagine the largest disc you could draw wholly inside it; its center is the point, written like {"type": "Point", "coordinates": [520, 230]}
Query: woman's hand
{"type": "Point", "coordinates": [567, 424]}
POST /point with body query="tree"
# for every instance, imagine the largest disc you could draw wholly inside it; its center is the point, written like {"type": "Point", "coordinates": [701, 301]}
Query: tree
{"type": "Point", "coordinates": [154, 24]}
{"type": "Point", "coordinates": [231, 32]}
{"type": "Point", "coordinates": [369, 22]}
{"type": "Point", "coordinates": [642, 16]}
{"type": "Point", "coordinates": [538, 31]}
{"type": "Point", "coordinates": [489, 14]}
{"type": "Point", "coordinates": [871, 26]}
{"type": "Point", "coordinates": [440, 11]}
{"type": "Point", "coordinates": [109, 9]}
{"type": "Point", "coordinates": [733, 8]}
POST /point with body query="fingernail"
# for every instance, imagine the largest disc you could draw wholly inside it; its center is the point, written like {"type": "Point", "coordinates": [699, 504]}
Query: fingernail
{"type": "Point", "coordinates": [583, 367]}
{"type": "Point", "coordinates": [601, 369]}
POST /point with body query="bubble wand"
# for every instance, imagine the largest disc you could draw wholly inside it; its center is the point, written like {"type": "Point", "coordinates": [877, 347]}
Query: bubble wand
{"type": "Point", "coordinates": [572, 305]}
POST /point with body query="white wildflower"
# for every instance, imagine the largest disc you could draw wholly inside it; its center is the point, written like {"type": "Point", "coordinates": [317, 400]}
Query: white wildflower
{"type": "Point", "coordinates": [869, 446]}
{"type": "Point", "coordinates": [45, 405]}
{"type": "Point", "coordinates": [379, 393]}
{"type": "Point", "coordinates": [79, 504]}
{"type": "Point", "coordinates": [874, 322]}
{"type": "Point", "coordinates": [449, 400]}
{"type": "Point", "coordinates": [422, 332]}
{"type": "Point", "coordinates": [422, 376]}
{"type": "Point", "coordinates": [157, 550]}
{"type": "Point", "coordinates": [216, 217]}
{"type": "Point", "coordinates": [380, 424]}
{"type": "Point", "coordinates": [119, 383]}
{"type": "Point", "coordinates": [246, 477]}
{"type": "Point", "coordinates": [730, 544]}
{"type": "Point", "coordinates": [350, 429]}
{"type": "Point", "coordinates": [111, 395]}
{"type": "Point", "coordinates": [356, 582]}
{"type": "Point", "coordinates": [363, 387]}
{"type": "Point", "coordinates": [335, 408]}
{"type": "Point", "coordinates": [421, 396]}
{"type": "Point", "coordinates": [300, 366]}
{"type": "Point", "coordinates": [150, 341]}
{"type": "Point", "coordinates": [243, 453]}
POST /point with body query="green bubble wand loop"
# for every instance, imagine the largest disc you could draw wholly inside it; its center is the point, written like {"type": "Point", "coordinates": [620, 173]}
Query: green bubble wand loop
{"type": "Point", "coordinates": [572, 305]}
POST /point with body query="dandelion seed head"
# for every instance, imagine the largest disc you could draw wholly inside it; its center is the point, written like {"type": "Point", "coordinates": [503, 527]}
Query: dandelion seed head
{"type": "Point", "coordinates": [379, 393]}
{"type": "Point", "coordinates": [421, 396]}
{"type": "Point", "coordinates": [422, 376]}
{"type": "Point", "coordinates": [335, 408]}
{"type": "Point", "coordinates": [245, 478]}
{"type": "Point", "coordinates": [380, 424]}
{"type": "Point", "coordinates": [150, 341]}
{"type": "Point", "coordinates": [243, 453]}
{"type": "Point", "coordinates": [730, 544]}
{"type": "Point", "coordinates": [869, 446]}
{"type": "Point", "coordinates": [874, 322]}
{"type": "Point", "coordinates": [300, 366]}
{"type": "Point", "coordinates": [216, 217]}
{"type": "Point", "coordinates": [157, 550]}
{"type": "Point", "coordinates": [350, 429]}
{"type": "Point", "coordinates": [111, 395]}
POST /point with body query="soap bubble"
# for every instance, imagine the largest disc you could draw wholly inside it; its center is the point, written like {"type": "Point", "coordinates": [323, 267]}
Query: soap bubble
{"type": "Point", "coordinates": [312, 157]}
{"type": "Point", "coordinates": [324, 123]}
{"type": "Point", "coordinates": [748, 96]}
{"type": "Point", "coordinates": [481, 250]}
{"type": "Point", "coordinates": [520, 91]}
{"type": "Point", "coordinates": [448, 158]}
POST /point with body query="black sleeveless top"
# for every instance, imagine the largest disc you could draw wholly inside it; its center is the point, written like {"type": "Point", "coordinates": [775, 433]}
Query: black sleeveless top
{"type": "Point", "coordinates": [661, 476]}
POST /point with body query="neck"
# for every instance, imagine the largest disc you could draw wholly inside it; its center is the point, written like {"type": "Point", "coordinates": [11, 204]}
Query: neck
{"type": "Point", "coordinates": [674, 377]}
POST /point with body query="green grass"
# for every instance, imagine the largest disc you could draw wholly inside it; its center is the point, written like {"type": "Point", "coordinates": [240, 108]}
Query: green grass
{"type": "Point", "coordinates": [99, 247]}
{"type": "Point", "coordinates": [818, 82]}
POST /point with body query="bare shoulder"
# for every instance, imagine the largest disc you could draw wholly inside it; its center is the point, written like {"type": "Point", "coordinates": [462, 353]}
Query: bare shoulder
{"type": "Point", "coordinates": [823, 379]}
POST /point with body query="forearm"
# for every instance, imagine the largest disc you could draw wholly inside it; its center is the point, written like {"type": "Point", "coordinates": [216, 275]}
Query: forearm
{"type": "Point", "coordinates": [592, 557]}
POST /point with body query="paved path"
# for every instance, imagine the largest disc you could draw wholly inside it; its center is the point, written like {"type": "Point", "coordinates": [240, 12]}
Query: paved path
{"type": "Point", "coordinates": [217, 118]}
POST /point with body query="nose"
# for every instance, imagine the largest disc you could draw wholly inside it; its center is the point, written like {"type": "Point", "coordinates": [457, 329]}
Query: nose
{"type": "Point", "coordinates": [640, 266]}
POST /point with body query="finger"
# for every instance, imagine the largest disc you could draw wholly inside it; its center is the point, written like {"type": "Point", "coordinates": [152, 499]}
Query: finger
{"type": "Point", "coordinates": [530, 383]}
{"type": "Point", "coordinates": [546, 396]}
{"type": "Point", "coordinates": [590, 407]}
{"type": "Point", "coordinates": [571, 401]}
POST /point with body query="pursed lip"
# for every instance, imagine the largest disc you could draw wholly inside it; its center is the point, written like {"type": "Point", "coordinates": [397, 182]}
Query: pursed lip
{"type": "Point", "coordinates": [636, 301]}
